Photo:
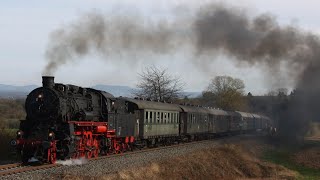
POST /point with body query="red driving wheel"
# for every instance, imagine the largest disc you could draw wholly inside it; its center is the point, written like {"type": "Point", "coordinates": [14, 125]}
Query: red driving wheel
{"type": "Point", "coordinates": [96, 148]}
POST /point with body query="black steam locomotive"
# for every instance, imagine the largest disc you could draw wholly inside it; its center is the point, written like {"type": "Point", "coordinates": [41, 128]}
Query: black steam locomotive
{"type": "Point", "coordinates": [67, 121]}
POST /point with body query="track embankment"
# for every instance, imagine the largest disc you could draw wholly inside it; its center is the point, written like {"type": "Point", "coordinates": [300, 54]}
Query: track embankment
{"type": "Point", "coordinates": [114, 163]}
{"type": "Point", "coordinates": [231, 157]}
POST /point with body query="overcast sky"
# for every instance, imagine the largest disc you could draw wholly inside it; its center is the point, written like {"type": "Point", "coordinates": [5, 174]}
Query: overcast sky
{"type": "Point", "coordinates": [26, 26]}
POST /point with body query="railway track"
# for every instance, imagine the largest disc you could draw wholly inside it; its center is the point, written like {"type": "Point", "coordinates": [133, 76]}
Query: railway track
{"type": "Point", "coordinates": [9, 166]}
{"type": "Point", "coordinates": [18, 168]}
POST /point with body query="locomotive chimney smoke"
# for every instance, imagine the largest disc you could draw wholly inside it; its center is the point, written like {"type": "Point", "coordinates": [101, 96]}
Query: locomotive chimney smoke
{"type": "Point", "coordinates": [214, 29]}
{"type": "Point", "coordinates": [48, 81]}
{"type": "Point", "coordinates": [112, 37]}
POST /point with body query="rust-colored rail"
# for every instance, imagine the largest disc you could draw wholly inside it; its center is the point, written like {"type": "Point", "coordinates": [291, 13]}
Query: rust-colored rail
{"type": "Point", "coordinates": [22, 169]}
{"type": "Point", "coordinates": [9, 166]}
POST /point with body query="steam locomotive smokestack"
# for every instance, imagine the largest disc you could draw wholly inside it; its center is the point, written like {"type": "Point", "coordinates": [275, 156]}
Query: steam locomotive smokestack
{"type": "Point", "coordinates": [48, 81]}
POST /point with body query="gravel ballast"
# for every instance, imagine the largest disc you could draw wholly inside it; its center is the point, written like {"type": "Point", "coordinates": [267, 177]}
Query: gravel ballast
{"type": "Point", "coordinates": [105, 166]}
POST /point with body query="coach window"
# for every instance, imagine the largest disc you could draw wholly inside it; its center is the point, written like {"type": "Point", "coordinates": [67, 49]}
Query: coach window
{"type": "Point", "coordinates": [192, 119]}
{"type": "Point", "coordinates": [161, 119]}
{"type": "Point", "coordinates": [146, 120]}
{"type": "Point", "coordinates": [169, 119]}
{"type": "Point", "coordinates": [150, 119]}
{"type": "Point", "coordinates": [177, 118]}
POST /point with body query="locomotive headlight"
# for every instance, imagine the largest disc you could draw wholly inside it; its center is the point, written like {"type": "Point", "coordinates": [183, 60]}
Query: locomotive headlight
{"type": "Point", "coordinates": [19, 133]}
{"type": "Point", "coordinates": [51, 134]}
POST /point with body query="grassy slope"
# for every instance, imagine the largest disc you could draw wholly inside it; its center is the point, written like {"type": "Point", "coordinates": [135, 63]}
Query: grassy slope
{"type": "Point", "coordinates": [283, 156]}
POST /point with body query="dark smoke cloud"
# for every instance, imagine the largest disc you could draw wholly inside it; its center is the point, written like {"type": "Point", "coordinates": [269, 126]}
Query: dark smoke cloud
{"type": "Point", "coordinates": [252, 40]}
{"type": "Point", "coordinates": [109, 36]}
{"type": "Point", "coordinates": [261, 40]}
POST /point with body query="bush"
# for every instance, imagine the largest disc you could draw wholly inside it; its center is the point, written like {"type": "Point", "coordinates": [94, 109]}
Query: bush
{"type": "Point", "coordinates": [11, 111]}
{"type": "Point", "coordinates": [6, 151]}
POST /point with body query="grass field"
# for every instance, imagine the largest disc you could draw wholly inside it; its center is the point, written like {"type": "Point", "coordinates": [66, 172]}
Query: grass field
{"type": "Point", "coordinates": [284, 157]}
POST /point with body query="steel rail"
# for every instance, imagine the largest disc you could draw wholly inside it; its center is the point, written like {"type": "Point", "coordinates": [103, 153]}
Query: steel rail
{"type": "Point", "coordinates": [9, 166]}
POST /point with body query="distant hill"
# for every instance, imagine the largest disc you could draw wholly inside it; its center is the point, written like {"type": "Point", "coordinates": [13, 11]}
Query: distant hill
{"type": "Point", "coordinates": [4, 87]}
{"type": "Point", "coordinates": [10, 91]}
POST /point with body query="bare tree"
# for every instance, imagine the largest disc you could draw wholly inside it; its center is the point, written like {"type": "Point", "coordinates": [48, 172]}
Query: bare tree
{"type": "Point", "coordinates": [157, 84]}
{"type": "Point", "coordinates": [227, 93]}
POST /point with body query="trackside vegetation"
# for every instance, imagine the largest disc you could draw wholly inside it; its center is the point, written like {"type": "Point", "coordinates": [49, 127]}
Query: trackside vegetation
{"type": "Point", "coordinates": [285, 156]}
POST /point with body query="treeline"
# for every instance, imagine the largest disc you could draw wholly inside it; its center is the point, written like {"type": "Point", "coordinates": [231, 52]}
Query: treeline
{"type": "Point", "coordinates": [11, 111]}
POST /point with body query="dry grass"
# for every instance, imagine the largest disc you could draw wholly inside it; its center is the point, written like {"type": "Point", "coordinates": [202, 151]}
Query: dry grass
{"type": "Point", "coordinates": [308, 157]}
{"type": "Point", "coordinates": [226, 162]}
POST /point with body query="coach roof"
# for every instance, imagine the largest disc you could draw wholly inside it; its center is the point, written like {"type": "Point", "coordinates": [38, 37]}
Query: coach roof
{"type": "Point", "coordinates": [218, 112]}
{"type": "Point", "coordinates": [245, 114]}
{"type": "Point", "coordinates": [143, 104]}
{"type": "Point", "coordinates": [194, 109]}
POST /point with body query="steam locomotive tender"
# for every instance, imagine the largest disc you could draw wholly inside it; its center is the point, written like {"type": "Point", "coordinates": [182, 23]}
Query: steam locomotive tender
{"type": "Point", "coordinates": [67, 121]}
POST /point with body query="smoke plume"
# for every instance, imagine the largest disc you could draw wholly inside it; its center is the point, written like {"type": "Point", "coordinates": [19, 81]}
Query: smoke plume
{"type": "Point", "coordinates": [108, 37]}
{"type": "Point", "coordinates": [261, 40]}
{"type": "Point", "coordinates": [251, 40]}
